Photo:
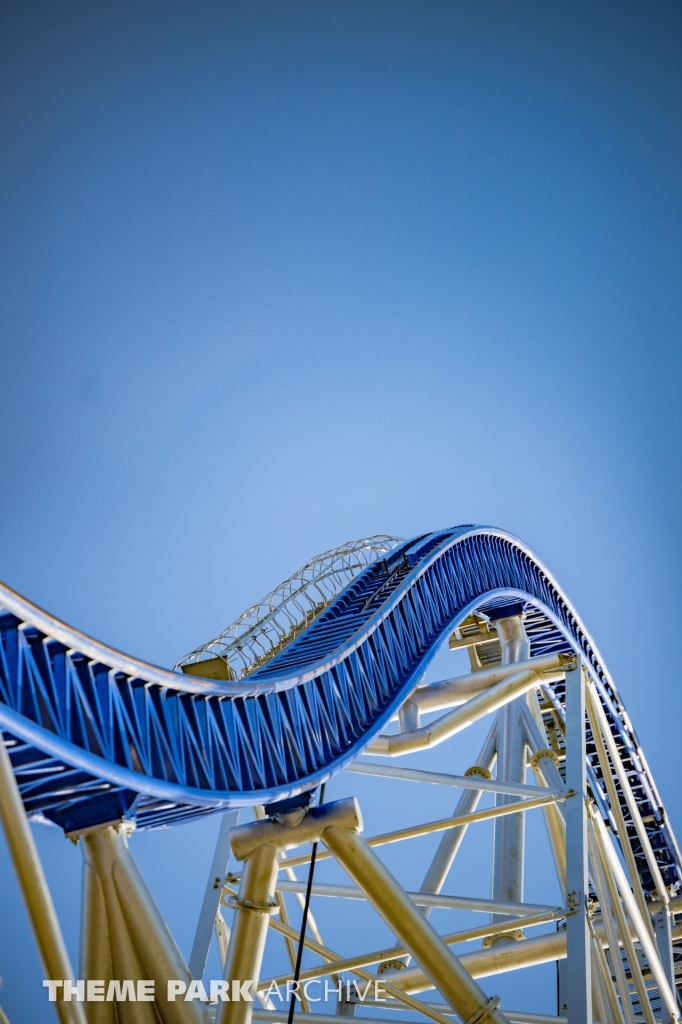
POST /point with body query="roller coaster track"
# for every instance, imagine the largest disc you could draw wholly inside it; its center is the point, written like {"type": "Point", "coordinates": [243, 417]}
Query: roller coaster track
{"type": "Point", "coordinates": [292, 693]}
{"type": "Point", "coordinates": [95, 735]}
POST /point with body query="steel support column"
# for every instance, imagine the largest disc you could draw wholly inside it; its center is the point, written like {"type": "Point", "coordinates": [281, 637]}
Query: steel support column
{"type": "Point", "coordinates": [417, 935]}
{"type": "Point", "coordinates": [253, 907]}
{"type": "Point", "coordinates": [578, 974]}
{"type": "Point", "coordinates": [511, 767]}
{"type": "Point", "coordinates": [259, 844]}
{"type": "Point", "coordinates": [95, 953]}
{"type": "Point", "coordinates": [211, 901]}
{"type": "Point", "coordinates": [662, 931]}
{"type": "Point", "coordinates": [34, 888]}
{"type": "Point", "coordinates": [141, 945]}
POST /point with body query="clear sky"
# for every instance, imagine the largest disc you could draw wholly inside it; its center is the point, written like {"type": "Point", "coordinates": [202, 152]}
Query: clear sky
{"type": "Point", "coordinates": [279, 275]}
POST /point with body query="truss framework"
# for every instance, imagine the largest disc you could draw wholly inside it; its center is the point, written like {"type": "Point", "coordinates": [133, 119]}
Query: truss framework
{"type": "Point", "coordinates": [618, 946]}
{"type": "Point", "coordinates": [554, 713]}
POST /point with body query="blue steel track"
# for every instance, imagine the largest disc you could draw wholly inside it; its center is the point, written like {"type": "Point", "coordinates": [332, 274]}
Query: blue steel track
{"type": "Point", "coordinates": [94, 735]}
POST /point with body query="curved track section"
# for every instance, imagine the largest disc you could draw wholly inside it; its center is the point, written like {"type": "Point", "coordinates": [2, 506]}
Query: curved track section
{"type": "Point", "coordinates": [94, 734]}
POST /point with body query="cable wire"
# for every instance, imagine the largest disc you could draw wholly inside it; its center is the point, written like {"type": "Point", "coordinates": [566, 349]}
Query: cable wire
{"type": "Point", "coordinates": [304, 922]}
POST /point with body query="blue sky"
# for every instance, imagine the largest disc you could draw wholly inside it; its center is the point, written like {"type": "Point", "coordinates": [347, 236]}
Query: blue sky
{"type": "Point", "coordinates": [278, 275]}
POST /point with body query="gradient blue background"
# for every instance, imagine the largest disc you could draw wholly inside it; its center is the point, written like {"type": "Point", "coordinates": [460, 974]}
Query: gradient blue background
{"type": "Point", "coordinates": [278, 275]}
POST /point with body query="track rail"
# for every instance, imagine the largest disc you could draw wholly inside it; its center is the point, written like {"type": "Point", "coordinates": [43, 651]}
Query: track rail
{"type": "Point", "coordinates": [94, 734]}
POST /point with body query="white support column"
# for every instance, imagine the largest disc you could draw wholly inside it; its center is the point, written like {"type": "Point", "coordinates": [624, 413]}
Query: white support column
{"type": "Point", "coordinates": [664, 944]}
{"type": "Point", "coordinates": [508, 844]}
{"type": "Point", "coordinates": [211, 901]}
{"type": "Point", "coordinates": [578, 976]}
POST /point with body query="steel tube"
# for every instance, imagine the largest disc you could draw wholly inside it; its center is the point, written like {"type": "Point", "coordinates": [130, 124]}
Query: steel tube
{"type": "Point", "coordinates": [249, 929]}
{"type": "Point", "coordinates": [414, 831]}
{"type": "Point", "coordinates": [289, 943]}
{"type": "Point", "coordinates": [578, 968]}
{"type": "Point", "coordinates": [648, 946]}
{"type": "Point", "coordinates": [610, 994]}
{"type": "Point", "coordinates": [624, 935]}
{"type": "Point", "coordinates": [556, 833]}
{"type": "Point", "coordinates": [328, 954]}
{"type": "Point", "coordinates": [600, 1009]}
{"type": "Point", "coordinates": [609, 926]}
{"type": "Point", "coordinates": [411, 927]}
{"type": "Point", "coordinates": [341, 813]}
{"type": "Point", "coordinates": [211, 900]}
{"type": "Point", "coordinates": [259, 811]}
{"type": "Point", "coordinates": [155, 946]}
{"type": "Point", "coordinates": [450, 843]}
{"type": "Point", "coordinates": [99, 854]}
{"type": "Point", "coordinates": [450, 692]}
{"type": "Point", "coordinates": [509, 838]}
{"type": "Point", "coordinates": [535, 739]}
{"type": "Point", "coordinates": [448, 725]}
{"type": "Point", "coordinates": [39, 905]}
{"type": "Point", "coordinates": [509, 835]}
{"type": "Point", "coordinates": [548, 775]}
{"type": "Point", "coordinates": [389, 771]}
{"type": "Point", "coordinates": [662, 930]}
{"type": "Point", "coordinates": [260, 844]}
{"type": "Point", "coordinates": [300, 898]}
{"type": "Point", "coordinates": [376, 956]}
{"type": "Point", "coordinates": [408, 716]}
{"type": "Point", "coordinates": [95, 958]}
{"type": "Point", "coordinates": [621, 827]}
{"type": "Point", "coordinates": [636, 817]}
{"type": "Point", "coordinates": [421, 899]}
{"type": "Point", "coordinates": [132, 911]}
{"type": "Point", "coordinates": [483, 963]}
